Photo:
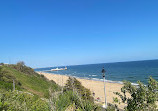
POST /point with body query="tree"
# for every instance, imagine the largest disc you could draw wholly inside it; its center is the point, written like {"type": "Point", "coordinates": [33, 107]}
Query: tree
{"type": "Point", "coordinates": [20, 65]}
{"type": "Point", "coordinates": [74, 84]}
{"type": "Point", "coordinates": [143, 97]}
{"type": "Point", "coordinates": [1, 64]}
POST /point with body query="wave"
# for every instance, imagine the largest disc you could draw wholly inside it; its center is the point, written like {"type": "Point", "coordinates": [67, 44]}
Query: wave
{"type": "Point", "coordinates": [93, 75]}
{"type": "Point", "coordinates": [109, 81]}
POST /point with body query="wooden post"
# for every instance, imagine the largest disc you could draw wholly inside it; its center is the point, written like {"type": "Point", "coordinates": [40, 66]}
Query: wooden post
{"type": "Point", "coordinates": [13, 85]}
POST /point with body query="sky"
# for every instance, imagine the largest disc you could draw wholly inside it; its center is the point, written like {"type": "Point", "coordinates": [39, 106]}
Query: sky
{"type": "Point", "coordinates": [45, 33]}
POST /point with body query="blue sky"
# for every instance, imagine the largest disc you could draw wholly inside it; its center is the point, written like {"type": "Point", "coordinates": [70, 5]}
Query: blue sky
{"type": "Point", "coordinates": [67, 32]}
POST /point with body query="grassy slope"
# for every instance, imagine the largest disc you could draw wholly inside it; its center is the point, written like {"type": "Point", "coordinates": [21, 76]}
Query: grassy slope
{"type": "Point", "coordinates": [27, 80]}
{"type": "Point", "coordinates": [34, 83]}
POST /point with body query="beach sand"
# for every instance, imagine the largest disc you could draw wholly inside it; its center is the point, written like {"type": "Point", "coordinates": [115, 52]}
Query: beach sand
{"type": "Point", "coordinates": [95, 86]}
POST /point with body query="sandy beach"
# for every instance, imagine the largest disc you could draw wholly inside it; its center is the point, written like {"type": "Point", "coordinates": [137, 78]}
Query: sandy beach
{"type": "Point", "coordinates": [95, 86]}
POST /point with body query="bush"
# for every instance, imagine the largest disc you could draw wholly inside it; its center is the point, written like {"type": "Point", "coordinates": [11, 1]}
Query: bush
{"type": "Point", "coordinates": [20, 101]}
{"type": "Point", "coordinates": [74, 84]}
{"type": "Point", "coordinates": [143, 97]}
{"type": "Point", "coordinates": [21, 67]}
{"type": "Point", "coordinates": [71, 100]}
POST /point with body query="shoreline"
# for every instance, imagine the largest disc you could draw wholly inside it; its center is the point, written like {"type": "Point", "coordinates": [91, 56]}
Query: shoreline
{"type": "Point", "coordinates": [87, 78]}
{"type": "Point", "coordinates": [95, 86]}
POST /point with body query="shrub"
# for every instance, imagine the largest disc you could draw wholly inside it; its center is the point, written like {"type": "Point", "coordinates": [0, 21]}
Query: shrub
{"type": "Point", "coordinates": [71, 100]}
{"type": "Point", "coordinates": [21, 101]}
{"type": "Point", "coordinates": [74, 84]}
{"type": "Point", "coordinates": [143, 97]}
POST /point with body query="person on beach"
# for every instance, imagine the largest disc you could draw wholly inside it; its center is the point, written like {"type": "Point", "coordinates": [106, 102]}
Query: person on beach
{"type": "Point", "coordinates": [93, 93]}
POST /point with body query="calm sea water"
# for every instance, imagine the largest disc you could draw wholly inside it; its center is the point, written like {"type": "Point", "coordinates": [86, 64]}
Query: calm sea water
{"type": "Point", "coordinates": [115, 72]}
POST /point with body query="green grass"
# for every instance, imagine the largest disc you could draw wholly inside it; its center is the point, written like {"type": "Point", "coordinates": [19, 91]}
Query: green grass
{"type": "Point", "coordinates": [33, 83]}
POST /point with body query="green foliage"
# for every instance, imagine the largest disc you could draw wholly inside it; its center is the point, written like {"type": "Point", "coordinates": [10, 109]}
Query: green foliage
{"type": "Point", "coordinates": [21, 67]}
{"type": "Point", "coordinates": [75, 96]}
{"type": "Point", "coordinates": [6, 80]}
{"type": "Point", "coordinates": [25, 79]}
{"type": "Point", "coordinates": [116, 100]}
{"type": "Point", "coordinates": [143, 98]}
{"type": "Point", "coordinates": [74, 84]}
{"type": "Point", "coordinates": [64, 101]}
{"type": "Point", "coordinates": [20, 101]}
{"type": "Point", "coordinates": [71, 100]}
{"type": "Point", "coordinates": [111, 108]}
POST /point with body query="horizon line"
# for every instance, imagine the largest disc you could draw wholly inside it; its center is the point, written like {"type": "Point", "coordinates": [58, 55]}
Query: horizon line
{"type": "Point", "coordinates": [100, 63]}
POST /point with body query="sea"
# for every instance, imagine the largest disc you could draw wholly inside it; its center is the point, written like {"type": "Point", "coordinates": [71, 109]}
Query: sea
{"type": "Point", "coordinates": [115, 72]}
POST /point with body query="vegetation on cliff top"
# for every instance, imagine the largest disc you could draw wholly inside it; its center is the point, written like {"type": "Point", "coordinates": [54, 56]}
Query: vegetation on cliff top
{"type": "Point", "coordinates": [26, 79]}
